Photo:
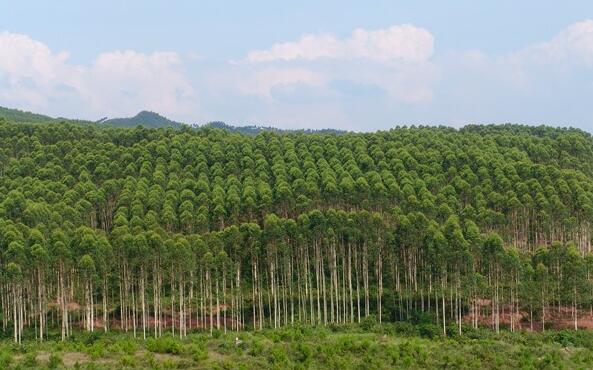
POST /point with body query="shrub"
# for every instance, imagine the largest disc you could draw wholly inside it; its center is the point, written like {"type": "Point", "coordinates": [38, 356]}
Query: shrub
{"type": "Point", "coordinates": [428, 330]}
{"type": "Point", "coordinates": [368, 323]}
{"type": "Point", "coordinates": [55, 361]}
{"type": "Point", "coordinates": [277, 355]}
{"type": "Point", "coordinates": [404, 328]}
{"type": "Point", "coordinates": [125, 346]}
{"type": "Point", "coordinates": [256, 348]}
{"type": "Point", "coordinates": [128, 361]}
{"type": "Point", "coordinates": [422, 317]}
{"type": "Point", "coordinates": [96, 350]}
{"type": "Point", "coordinates": [303, 352]}
{"type": "Point", "coordinates": [163, 345]}
{"type": "Point", "coordinates": [170, 363]}
{"type": "Point", "coordinates": [5, 359]}
{"type": "Point", "coordinates": [199, 354]}
{"type": "Point", "coordinates": [91, 338]}
{"type": "Point", "coordinates": [150, 360]}
{"type": "Point", "coordinates": [30, 359]}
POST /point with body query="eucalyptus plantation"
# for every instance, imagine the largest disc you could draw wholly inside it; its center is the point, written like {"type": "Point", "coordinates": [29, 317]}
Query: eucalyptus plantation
{"type": "Point", "coordinates": [149, 231]}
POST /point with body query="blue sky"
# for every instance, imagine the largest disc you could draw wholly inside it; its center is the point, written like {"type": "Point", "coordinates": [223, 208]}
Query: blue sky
{"type": "Point", "coordinates": [307, 64]}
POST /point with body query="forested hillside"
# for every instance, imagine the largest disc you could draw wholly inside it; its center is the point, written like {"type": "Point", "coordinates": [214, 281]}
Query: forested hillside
{"type": "Point", "coordinates": [255, 130]}
{"type": "Point", "coordinates": [16, 115]}
{"type": "Point", "coordinates": [144, 118]}
{"type": "Point", "coordinates": [155, 230]}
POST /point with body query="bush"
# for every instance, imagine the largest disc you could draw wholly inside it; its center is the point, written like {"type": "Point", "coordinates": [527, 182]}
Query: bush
{"type": "Point", "coordinates": [277, 355]}
{"type": "Point", "coordinates": [404, 328]}
{"type": "Point", "coordinates": [55, 361]}
{"type": "Point", "coordinates": [30, 359]}
{"type": "Point", "coordinates": [256, 348]}
{"type": "Point", "coordinates": [163, 345]}
{"type": "Point", "coordinates": [96, 350]}
{"type": "Point", "coordinates": [368, 323]}
{"type": "Point", "coordinates": [420, 317]}
{"type": "Point", "coordinates": [356, 346]}
{"type": "Point", "coordinates": [303, 352]}
{"type": "Point", "coordinates": [290, 334]}
{"type": "Point", "coordinates": [125, 346]}
{"type": "Point", "coordinates": [568, 338]}
{"type": "Point", "coordinates": [5, 359]}
{"type": "Point", "coordinates": [429, 331]}
{"type": "Point", "coordinates": [91, 338]}
{"type": "Point", "coordinates": [199, 354]}
{"type": "Point", "coordinates": [197, 350]}
{"type": "Point", "coordinates": [150, 360]}
{"type": "Point", "coordinates": [128, 361]}
{"type": "Point", "coordinates": [170, 363]}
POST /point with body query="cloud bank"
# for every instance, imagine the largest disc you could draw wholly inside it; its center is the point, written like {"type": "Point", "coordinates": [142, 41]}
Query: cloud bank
{"type": "Point", "coordinates": [369, 79]}
{"type": "Point", "coordinates": [405, 43]}
{"type": "Point", "coordinates": [119, 82]}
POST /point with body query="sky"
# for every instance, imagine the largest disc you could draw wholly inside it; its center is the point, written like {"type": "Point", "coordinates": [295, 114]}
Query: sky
{"type": "Point", "coordinates": [351, 65]}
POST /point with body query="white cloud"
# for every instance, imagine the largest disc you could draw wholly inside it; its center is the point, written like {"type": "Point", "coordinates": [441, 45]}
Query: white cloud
{"type": "Point", "coordinates": [122, 81]}
{"type": "Point", "coordinates": [116, 83]}
{"type": "Point", "coordinates": [368, 79]}
{"type": "Point", "coordinates": [395, 59]}
{"type": "Point", "coordinates": [24, 58]}
{"type": "Point", "coordinates": [308, 47]}
{"type": "Point", "coordinates": [525, 70]}
{"type": "Point", "coordinates": [573, 44]}
{"type": "Point", "coordinates": [261, 82]}
{"type": "Point", "coordinates": [28, 69]}
{"type": "Point", "coordinates": [402, 43]}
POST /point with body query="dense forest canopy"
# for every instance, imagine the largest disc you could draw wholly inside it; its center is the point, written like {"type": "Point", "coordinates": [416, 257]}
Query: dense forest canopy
{"type": "Point", "coordinates": [153, 230]}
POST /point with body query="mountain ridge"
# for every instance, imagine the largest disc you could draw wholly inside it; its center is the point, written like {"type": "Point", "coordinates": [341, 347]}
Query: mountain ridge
{"type": "Point", "coordinates": [144, 118]}
{"type": "Point", "coordinates": [150, 119]}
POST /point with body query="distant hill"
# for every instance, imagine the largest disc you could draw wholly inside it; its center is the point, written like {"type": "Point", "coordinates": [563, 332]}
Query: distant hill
{"type": "Point", "coordinates": [19, 116]}
{"type": "Point", "coordinates": [150, 120]}
{"type": "Point", "coordinates": [16, 115]}
{"type": "Point", "coordinates": [144, 118]}
{"type": "Point", "coordinates": [254, 130]}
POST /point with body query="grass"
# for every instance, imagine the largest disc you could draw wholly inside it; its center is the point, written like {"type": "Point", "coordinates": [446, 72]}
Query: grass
{"type": "Point", "coordinates": [366, 346]}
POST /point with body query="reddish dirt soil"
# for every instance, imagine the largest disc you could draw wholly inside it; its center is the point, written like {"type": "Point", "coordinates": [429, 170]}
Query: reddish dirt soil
{"type": "Point", "coordinates": [555, 319]}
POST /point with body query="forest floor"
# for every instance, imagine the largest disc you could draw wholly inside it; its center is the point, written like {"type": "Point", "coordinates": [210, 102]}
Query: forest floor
{"type": "Point", "coordinates": [365, 346]}
{"type": "Point", "coordinates": [556, 318]}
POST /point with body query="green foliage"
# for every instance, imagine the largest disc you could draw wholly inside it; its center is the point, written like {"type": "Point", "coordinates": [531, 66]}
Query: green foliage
{"type": "Point", "coordinates": [55, 361]}
{"type": "Point", "coordinates": [30, 360]}
{"type": "Point", "coordinates": [163, 345]}
{"type": "Point", "coordinates": [128, 361]}
{"type": "Point", "coordinates": [420, 227]}
{"type": "Point", "coordinates": [124, 346]}
{"type": "Point", "coordinates": [5, 358]}
{"type": "Point", "coordinates": [144, 118]}
{"type": "Point", "coordinates": [368, 323]}
{"type": "Point", "coordinates": [199, 354]}
{"type": "Point", "coordinates": [256, 348]}
{"type": "Point", "coordinates": [346, 347]}
{"type": "Point", "coordinates": [15, 115]}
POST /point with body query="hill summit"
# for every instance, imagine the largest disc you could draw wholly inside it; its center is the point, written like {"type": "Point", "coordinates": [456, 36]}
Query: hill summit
{"type": "Point", "coordinates": [145, 118]}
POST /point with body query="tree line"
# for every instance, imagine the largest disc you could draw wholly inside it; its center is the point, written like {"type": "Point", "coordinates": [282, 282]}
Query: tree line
{"type": "Point", "coordinates": [155, 230]}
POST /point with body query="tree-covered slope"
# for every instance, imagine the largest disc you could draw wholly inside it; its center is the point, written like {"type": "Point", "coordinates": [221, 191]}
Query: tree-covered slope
{"type": "Point", "coordinates": [155, 230]}
{"type": "Point", "coordinates": [255, 130]}
{"type": "Point", "coordinates": [15, 115]}
{"type": "Point", "coordinates": [19, 116]}
{"type": "Point", "coordinates": [144, 118]}
{"type": "Point", "coordinates": [149, 120]}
